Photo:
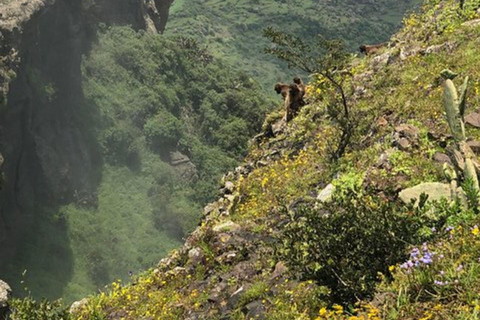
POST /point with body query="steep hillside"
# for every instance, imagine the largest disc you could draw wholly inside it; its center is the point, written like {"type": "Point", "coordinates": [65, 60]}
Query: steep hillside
{"type": "Point", "coordinates": [232, 29]}
{"type": "Point", "coordinates": [276, 246]}
{"type": "Point", "coordinates": [47, 133]}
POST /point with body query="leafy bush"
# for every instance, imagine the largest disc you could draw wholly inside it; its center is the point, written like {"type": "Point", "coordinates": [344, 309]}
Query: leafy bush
{"type": "Point", "coordinates": [343, 245]}
{"type": "Point", "coordinates": [117, 144]}
{"type": "Point", "coordinates": [162, 131]}
{"type": "Point", "coordinates": [28, 309]}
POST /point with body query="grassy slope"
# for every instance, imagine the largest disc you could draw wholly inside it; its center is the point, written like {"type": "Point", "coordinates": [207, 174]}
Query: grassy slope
{"type": "Point", "coordinates": [233, 28]}
{"type": "Point", "coordinates": [408, 90]}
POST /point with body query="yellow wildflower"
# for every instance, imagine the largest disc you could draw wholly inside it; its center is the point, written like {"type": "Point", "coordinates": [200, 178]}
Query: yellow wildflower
{"type": "Point", "coordinates": [428, 315]}
{"type": "Point", "coordinates": [475, 230]}
{"type": "Point", "coordinates": [338, 309]}
{"type": "Point", "coordinates": [322, 312]}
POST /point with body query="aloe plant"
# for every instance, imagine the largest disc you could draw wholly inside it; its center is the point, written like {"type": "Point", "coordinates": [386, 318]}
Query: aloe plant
{"type": "Point", "coordinates": [455, 108]}
{"type": "Point", "coordinates": [455, 111]}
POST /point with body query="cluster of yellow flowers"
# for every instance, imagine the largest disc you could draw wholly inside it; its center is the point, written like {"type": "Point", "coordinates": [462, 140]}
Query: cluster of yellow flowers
{"type": "Point", "coordinates": [364, 312]}
{"type": "Point", "coordinates": [283, 179]}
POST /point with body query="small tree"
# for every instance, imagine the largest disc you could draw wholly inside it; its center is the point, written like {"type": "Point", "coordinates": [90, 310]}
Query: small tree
{"type": "Point", "coordinates": [324, 58]}
{"type": "Point", "coordinates": [162, 131]}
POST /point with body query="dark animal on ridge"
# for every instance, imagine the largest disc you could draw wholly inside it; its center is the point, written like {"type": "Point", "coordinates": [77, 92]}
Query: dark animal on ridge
{"type": "Point", "coordinates": [371, 49]}
{"type": "Point", "coordinates": [293, 96]}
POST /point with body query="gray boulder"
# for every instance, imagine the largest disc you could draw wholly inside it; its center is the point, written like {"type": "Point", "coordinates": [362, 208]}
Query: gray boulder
{"type": "Point", "coordinates": [434, 190]}
{"type": "Point", "coordinates": [326, 194]}
{"type": "Point", "coordinates": [183, 166]}
{"type": "Point", "coordinates": [77, 306]}
{"type": "Point", "coordinates": [473, 119]}
{"type": "Point", "coordinates": [5, 294]}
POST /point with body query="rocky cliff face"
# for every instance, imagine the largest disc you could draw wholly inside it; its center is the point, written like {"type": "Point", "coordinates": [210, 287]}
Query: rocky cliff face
{"type": "Point", "coordinates": [46, 132]}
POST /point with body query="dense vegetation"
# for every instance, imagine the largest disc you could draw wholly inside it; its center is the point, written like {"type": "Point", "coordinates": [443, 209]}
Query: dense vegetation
{"type": "Point", "coordinates": [151, 99]}
{"type": "Point", "coordinates": [233, 28]}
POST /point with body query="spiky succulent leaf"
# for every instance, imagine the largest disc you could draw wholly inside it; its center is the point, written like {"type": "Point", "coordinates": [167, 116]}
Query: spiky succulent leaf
{"type": "Point", "coordinates": [454, 118]}
{"type": "Point", "coordinates": [448, 74]}
{"type": "Point", "coordinates": [462, 98]}
{"type": "Point", "coordinates": [470, 173]}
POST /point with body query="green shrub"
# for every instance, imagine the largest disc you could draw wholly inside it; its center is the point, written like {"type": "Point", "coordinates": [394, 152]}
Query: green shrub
{"type": "Point", "coordinates": [162, 131]}
{"type": "Point", "coordinates": [343, 245]}
{"type": "Point", "coordinates": [231, 136]}
{"type": "Point", "coordinates": [29, 309]}
{"type": "Point", "coordinates": [117, 144]}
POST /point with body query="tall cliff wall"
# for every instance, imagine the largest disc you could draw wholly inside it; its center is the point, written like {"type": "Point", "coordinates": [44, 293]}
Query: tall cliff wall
{"type": "Point", "coordinates": [46, 132]}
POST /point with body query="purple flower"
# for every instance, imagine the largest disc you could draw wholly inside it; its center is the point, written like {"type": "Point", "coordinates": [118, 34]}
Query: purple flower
{"type": "Point", "coordinates": [442, 273]}
{"type": "Point", "coordinates": [442, 256]}
{"type": "Point", "coordinates": [434, 229]}
{"type": "Point", "coordinates": [449, 228]}
{"type": "Point", "coordinates": [407, 265]}
{"type": "Point", "coordinates": [414, 253]}
{"type": "Point", "coordinates": [439, 283]}
{"type": "Point", "coordinates": [426, 259]}
{"type": "Point", "coordinates": [460, 268]}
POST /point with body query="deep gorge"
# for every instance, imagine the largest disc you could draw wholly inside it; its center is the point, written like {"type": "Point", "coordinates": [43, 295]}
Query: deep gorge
{"type": "Point", "coordinates": [48, 135]}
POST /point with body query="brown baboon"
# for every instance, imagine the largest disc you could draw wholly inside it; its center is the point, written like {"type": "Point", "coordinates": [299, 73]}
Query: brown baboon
{"type": "Point", "coordinates": [296, 101]}
{"type": "Point", "coordinates": [293, 96]}
{"type": "Point", "coordinates": [301, 88]}
{"type": "Point", "coordinates": [371, 49]}
{"type": "Point", "coordinates": [284, 89]}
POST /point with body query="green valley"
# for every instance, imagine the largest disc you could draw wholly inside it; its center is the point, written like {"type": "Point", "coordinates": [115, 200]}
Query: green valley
{"type": "Point", "coordinates": [232, 29]}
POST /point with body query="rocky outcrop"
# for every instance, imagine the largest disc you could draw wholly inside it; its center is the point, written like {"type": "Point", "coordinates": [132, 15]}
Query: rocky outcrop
{"type": "Point", "coordinates": [17, 15]}
{"type": "Point", "coordinates": [183, 166]}
{"type": "Point", "coordinates": [5, 293]}
{"type": "Point", "coordinates": [46, 128]}
{"type": "Point", "coordinates": [434, 190]}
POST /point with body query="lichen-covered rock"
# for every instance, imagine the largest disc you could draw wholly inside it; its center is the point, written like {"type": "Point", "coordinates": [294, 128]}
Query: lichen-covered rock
{"type": "Point", "coordinates": [77, 305]}
{"type": "Point", "coordinates": [382, 60]}
{"type": "Point", "coordinates": [441, 158]}
{"type": "Point", "coordinates": [405, 136]}
{"type": "Point", "coordinates": [226, 226]}
{"type": "Point", "coordinates": [444, 47]}
{"type": "Point", "coordinates": [196, 256]}
{"type": "Point", "coordinates": [183, 166]}
{"type": "Point", "coordinates": [326, 194]}
{"type": "Point", "coordinates": [472, 23]}
{"type": "Point", "coordinates": [473, 119]}
{"type": "Point", "coordinates": [5, 293]}
{"type": "Point", "coordinates": [434, 190]}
